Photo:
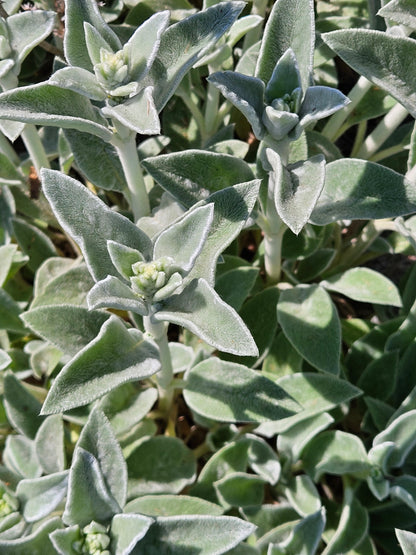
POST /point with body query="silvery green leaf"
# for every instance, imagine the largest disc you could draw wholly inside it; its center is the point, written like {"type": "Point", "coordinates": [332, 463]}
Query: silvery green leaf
{"type": "Point", "coordinates": [79, 212]}
{"type": "Point", "coordinates": [185, 42]}
{"type": "Point", "coordinates": [232, 208]}
{"type": "Point", "coordinates": [22, 408]}
{"type": "Point", "coordinates": [365, 285]}
{"type": "Point", "coordinates": [98, 438]}
{"type": "Point", "coordinates": [169, 505]}
{"type": "Point", "coordinates": [5, 66]}
{"type": "Point", "coordinates": [123, 257]}
{"type": "Point", "coordinates": [126, 530]}
{"type": "Point", "coordinates": [279, 123]}
{"type": "Point", "coordinates": [303, 495]}
{"type": "Point", "coordinates": [352, 528]}
{"type": "Point", "coordinates": [40, 496]}
{"type": "Point", "coordinates": [229, 392]}
{"type": "Point", "coordinates": [203, 534]}
{"type": "Point", "coordinates": [358, 189]}
{"type": "Point", "coordinates": [45, 104]}
{"type": "Point", "coordinates": [235, 285]}
{"type": "Point", "coordinates": [9, 173]}
{"type": "Point", "coordinates": [401, 433]}
{"type": "Point", "coordinates": [37, 541]}
{"type": "Point", "coordinates": [63, 540]}
{"type": "Point", "coordinates": [111, 292]}
{"type": "Point", "coordinates": [290, 25]}
{"type": "Point", "coordinates": [78, 12]}
{"type": "Point", "coordinates": [407, 541]}
{"type": "Point", "coordinates": [143, 45]}
{"type": "Point", "coordinates": [246, 93]}
{"type": "Point", "coordinates": [11, 129]}
{"type": "Point", "coordinates": [28, 29]}
{"type": "Point", "coordinates": [10, 313]}
{"type": "Point", "coordinates": [320, 102]}
{"type": "Point", "coordinates": [175, 281]}
{"type": "Point", "coordinates": [400, 11]}
{"type": "Point", "coordinates": [285, 77]}
{"type": "Point", "coordinates": [316, 393]}
{"type": "Point", "coordinates": [94, 42]}
{"type": "Point", "coordinates": [184, 239]}
{"type": "Point", "coordinates": [293, 440]}
{"type": "Point", "coordinates": [297, 188]}
{"type": "Point", "coordinates": [240, 489]}
{"type": "Point", "coordinates": [184, 174]}
{"type": "Point", "coordinates": [33, 242]}
{"type": "Point", "coordinates": [200, 309]}
{"type": "Point", "coordinates": [336, 452]}
{"type": "Point", "coordinates": [138, 113]}
{"type": "Point", "coordinates": [241, 28]}
{"type": "Point", "coordinates": [80, 81]}
{"type": "Point", "coordinates": [311, 323]}
{"type": "Point", "coordinates": [96, 160]}
{"type": "Point", "coordinates": [160, 464]}
{"type": "Point", "coordinates": [88, 496]}
{"type": "Point", "coordinates": [116, 356]}
{"type": "Point", "coordinates": [404, 488]}
{"type": "Point", "coordinates": [387, 61]}
{"type": "Point", "coordinates": [49, 444]}
{"type": "Point", "coordinates": [305, 536]}
{"type": "Point", "coordinates": [5, 360]}
{"type": "Point", "coordinates": [68, 327]}
{"type": "Point", "coordinates": [19, 455]}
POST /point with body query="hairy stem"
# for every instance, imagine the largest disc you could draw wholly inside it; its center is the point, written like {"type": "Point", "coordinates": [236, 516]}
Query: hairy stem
{"type": "Point", "coordinates": [35, 147]}
{"type": "Point", "coordinates": [129, 158]}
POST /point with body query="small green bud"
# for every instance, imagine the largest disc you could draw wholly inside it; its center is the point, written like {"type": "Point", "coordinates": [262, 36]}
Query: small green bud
{"type": "Point", "coordinates": [113, 70]}
{"type": "Point", "coordinates": [149, 277]}
{"type": "Point", "coordinates": [8, 503]}
{"type": "Point", "coordinates": [94, 542]}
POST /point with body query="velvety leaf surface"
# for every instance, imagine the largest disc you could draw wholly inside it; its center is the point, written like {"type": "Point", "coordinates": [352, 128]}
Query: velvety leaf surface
{"type": "Point", "coordinates": [171, 505]}
{"type": "Point", "coordinates": [10, 313]}
{"type": "Point", "coordinates": [40, 496]}
{"type": "Point", "coordinates": [234, 286]}
{"type": "Point", "coordinates": [290, 25]}
{"type": "Point", "coordinates": [200, 309]}
{"type": "Point", "coordinates": [310, 322]}
{"type": "Point", "coordinates": [79, 212]}
{"type": "Point", "coordinates": [357, 189]}
{"type": "Point", "coordinates": [33, 242]}
{"type": "Point", "coordinates": [68, 327]}
{"type": "Point", "coordinates": [68, 288]}
{"type": "Point", "coordinates": [36, 542]}
{"type": "Point", "coordinates": [88, 496]}
{"type": "Point", "coordinates": [114, 357]}
{"type": "Point", "coordinates": [194, 535]}
{"type": "Point", "coordinates": [353, 525]}
{"type": "Point", "coordinates": [400, 433]}
{"type": "Point", "coordinates": [49, 444]}
{"type": "Point", "coordinates": [365, 285]}
{"type": "Point", "coordinates": [20, 456]}
{"type": "Point", "coordinates": [407, 541]}
{"type": "Point", "coordinates": [183, 43]}
{"type": "Point", "coordinates": [303, 495]}
{"type": "Point", "coordinates": [400, 11]}
{"type": "Point", "coordinates": [22, 408]}
{"type": "Point", "coordinates": [305, 536]}
{"type": "Point", "coordinates": [138, 113]}
{"type": "Point", "coordinates": [386, 60]}
{"type": "Point", "coordinates": [126, 531]}
{"type": "Point", "coordinates": [160, 465]}
{"type": "Point", "coordinates": [27, 29]}
{"type": "Point", "coordinates": [233, 393]}
{"type": "Point", "coordinates": [192, 175]}
{"type": "Point", "coordinates": [240, 489]}
{"type": "Point", "coordinates": [46, 104]}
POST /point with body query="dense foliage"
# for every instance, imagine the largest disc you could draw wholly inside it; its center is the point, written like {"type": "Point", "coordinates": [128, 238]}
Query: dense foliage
{"type": "Point", "coordinates": [208, 300]}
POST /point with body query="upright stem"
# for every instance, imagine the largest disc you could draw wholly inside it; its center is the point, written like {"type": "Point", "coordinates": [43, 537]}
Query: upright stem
{"type": "Point", "coordinates": [211, 108]}
{"type": "Point", "coordinates": [158, 330]}
{"type": "Point", "coordinates": [273, 255]}
{"type": "Point", "coordinates": [129, 158]}
{"type": "Point", "coordinates": [361, 87]}
{"type": "Point", "coordinates": [384, 129]}
{"type": "Point", "coordinates": [35, 147]}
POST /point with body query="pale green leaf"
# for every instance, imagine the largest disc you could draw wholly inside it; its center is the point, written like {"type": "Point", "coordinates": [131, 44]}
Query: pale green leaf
{"type": "Point", "coordinates": [80, 81]}
{"type": "Point", "coordinates": [36, 542]}
{"type": "Point", "coordinates": [137, 113]}
{"type": "Point", "coordinates": [401, 433]}
{"type": "Point", "coordinates": [126, 530]}
{"type": "Point", "coordinates": [28, 29]}
{"type": "Point", "coordinates": [49, 444]}
{"type": "Point", "coordinates": [171, 505]}
{"type": "Point", "coordinates": [40, 496]}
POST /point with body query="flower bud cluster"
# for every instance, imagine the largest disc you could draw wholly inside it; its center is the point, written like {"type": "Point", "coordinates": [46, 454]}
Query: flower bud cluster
{"type": "Point", "coordinates": [94, 542]}
{"type": "Point", "coordinates": [149, 277]}
{"type": "Point", "coordinates": [8, 503]}
{"type": "Point", "coordinates": [113, 74]}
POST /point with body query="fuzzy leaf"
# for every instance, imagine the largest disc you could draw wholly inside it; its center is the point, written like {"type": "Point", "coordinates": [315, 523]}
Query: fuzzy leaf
{"type": "Point", "coordinates": [49, 444]}
{"type": "Point", "coordinates": [88, 497]}
{"type": "Point", "coordinates": [297, 189]}
{"type": "Point", "coordinates": [10, 313]}
{"type": "Point", "coordinates": [40, 496]}
{"type": "Point", "coordinates": [28, 29]}
{"type": "Point", "coordinates": [230, 392]}
{"type": "Point", "coordinates": [184, 174]}
{"type": "Point", "coordinates": [202, 534]}
{"type": "Point", "coordinates": [80, 81]}
{"type": "Point", "coordinates": [98, 438]}
{"type": "Point", "coordinates": [19, 456]}
{"type": "Point", "coordinates": [171, 505]}
{"type": "Point", "coordinates": [79, 212]}
{"type": "Point", "coordinates": [401, 432]}
{"type": "Point", "coordinates": [311, 323]}
{"type": "Point", "coordinates": [160, 465]}
{"type": "Point", "coordinates": [33, 242]}
{"type": "Point", "coordinates": [305, 536]}
{"type": "Point", "coordinates": [352, 528]}
{"type": "Point", "coordinates": [68, 327]}
{"type": "Point", "coordinates": [200, 309]}
{"type": "Point", "coordinates": [116, 356]}
{"type": "Point", "coordinates": [185, 42]}
{"type": "Point", "coordinates": [184, 239]}
{"type": "Point", "coordinates": [389, 61]}
{"type": "Point", "coordinates": [36, 542]}
{"type": "Point", "coordinates": [407, 541]}
{"type": "Point", "coordinates": [320, 102]}
{"type": "Point", "coordinates": [357, 189]}
{"type": "Point", "coordinates": [45, 104]}
{"type": "Point", "coordinates": [78, 12]}
{"type": "Point", "coordinates": [365, 285]}
{"type": "Point", "coordinates": [113, 293]}
{"type": "Point", "coordinates": [126, 530]}
{"type": "Point", "coordinates": [235, 285]}
{"type": "Point", "coordinates": [290, 25]}
{"type": "Point", "coordinates": [239, 489]}
{"type": "Point", "coordinates": [22, 408]}
{"type": "Point", "coordinates": [137, 113]}
{"type": "Point", "coordinates": [245, 93]}
{"type": "Point", "coordinates": [336, 452]}
{"type": "Point", "coordinates": [303, 495]}
{"type": "Point", "coordinates": [400, 11]}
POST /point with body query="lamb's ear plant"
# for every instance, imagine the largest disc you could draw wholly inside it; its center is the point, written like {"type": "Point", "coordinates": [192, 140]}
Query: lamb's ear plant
{"type": "Point", "coordinates": [201, 350]}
